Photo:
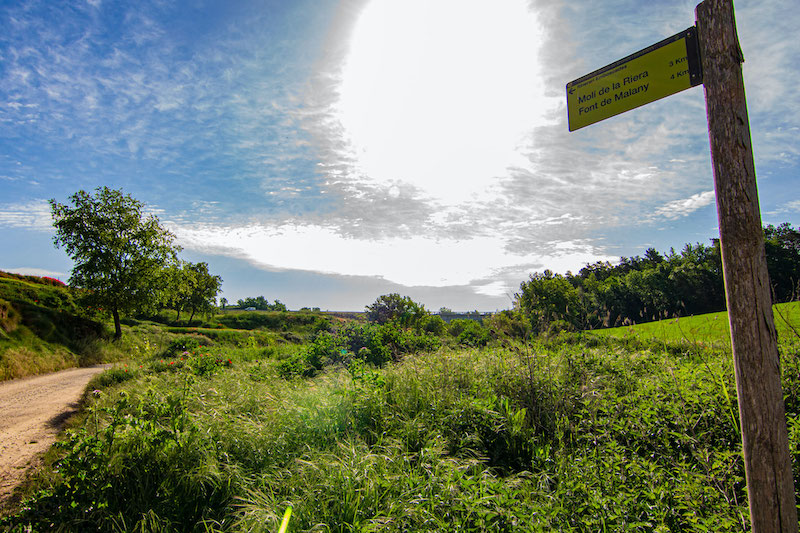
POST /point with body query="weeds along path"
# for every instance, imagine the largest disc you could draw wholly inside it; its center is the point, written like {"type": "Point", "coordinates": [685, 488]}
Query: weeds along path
{"type": "Point", "coordinates": [32, 411]}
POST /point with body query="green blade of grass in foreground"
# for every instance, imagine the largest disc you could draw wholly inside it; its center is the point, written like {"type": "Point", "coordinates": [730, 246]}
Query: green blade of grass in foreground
{"type": "Point", "coordinates": [285, 523]}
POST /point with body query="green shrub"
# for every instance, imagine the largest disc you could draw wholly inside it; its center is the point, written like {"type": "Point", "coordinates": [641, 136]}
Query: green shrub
{"type": "Point", "coordinates": [185, 345]}
{"type": "Point", "coordinates": [9, 317]}
{"type": "Point", "coordinates": [469, 333]}
{"type": "Point", "coordinates": [433, 324]}
{"type": "Point", "coordinates": [111, 377]}
{"type": "Point", "coordinates": [296, 365]}
{"type": "Point", "coordinates": [275, 321]}
{"type": "Point", "coordinates": [365, 341]}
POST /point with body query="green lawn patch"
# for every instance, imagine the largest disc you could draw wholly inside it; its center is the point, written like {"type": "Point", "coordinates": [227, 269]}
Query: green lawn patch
{"type": "Point", "coordinates": [709, 329]}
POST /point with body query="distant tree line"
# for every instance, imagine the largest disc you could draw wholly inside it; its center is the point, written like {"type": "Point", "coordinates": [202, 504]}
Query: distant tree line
{"type": "Point", "coordinates": [260, 303]}
{"type": "Point", "coordinates": [126, 261]}
{"type": "Point", "coordinates": [652, 287]}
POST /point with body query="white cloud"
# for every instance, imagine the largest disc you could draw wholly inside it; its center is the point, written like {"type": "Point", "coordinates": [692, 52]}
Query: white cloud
{"type": "Point", "coordinates": [789, 207]}
{"type": "Point", "coordinates": [31, 215]}
{"type": "Point", "coordinates": [686, 206]}
{"type": "Point", "coordinates": [410, 261]}
{"type": "Point", "coordinates": [33, 271]}
{"type": "Point", "coordinates": [495, 288]}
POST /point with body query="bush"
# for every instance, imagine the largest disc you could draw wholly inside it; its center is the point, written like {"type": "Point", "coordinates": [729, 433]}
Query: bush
{"type": "Point", "coordinates": [469, 333]}
{"type": "Point", "coordinates": [371, 343]}
{"type": "Point", "coordinates": [9, 317]}
{"type": "Point", "coordinates": [508, 323]}
{"type": "Point", "coordinates": [110, 378]}
{"type": "Point", "coordinates": [275, 321]}
{"type": "Point", "coordinates": [185, 344]}
{"type": "Point", "coordinates": [296, 366]}
{"type": "Point", "coordinates": [396, 308]}
{"type": "Point", "coordinates": [366, 341]}
{"type": "Point", "coordinates": [433, 324]}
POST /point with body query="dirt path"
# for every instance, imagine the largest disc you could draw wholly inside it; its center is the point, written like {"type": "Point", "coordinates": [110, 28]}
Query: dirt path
{"type": "Point", "coordinates": [32, 411]}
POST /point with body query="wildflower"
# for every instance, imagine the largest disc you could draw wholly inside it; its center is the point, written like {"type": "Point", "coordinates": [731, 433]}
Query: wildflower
{"type": "Point", "coordinates": [96, 393]}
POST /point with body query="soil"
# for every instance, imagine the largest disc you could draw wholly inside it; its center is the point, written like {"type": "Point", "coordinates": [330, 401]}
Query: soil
{"type": "Point", "coordinates": [32, 412]}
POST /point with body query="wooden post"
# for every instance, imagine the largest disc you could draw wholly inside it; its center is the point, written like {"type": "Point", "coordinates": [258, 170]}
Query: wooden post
{"type": "Point", "coordinates": [765, 441]}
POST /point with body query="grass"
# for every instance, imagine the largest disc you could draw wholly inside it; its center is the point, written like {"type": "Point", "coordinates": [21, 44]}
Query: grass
{"type": "Point", "coordinates": [44, 329]}
{"type": "Point", "coordinates": [197, 430]}
{"type": "Point", "coordinates": [711, 329]}
{"type": "Point", "coordinates": [542, 437]}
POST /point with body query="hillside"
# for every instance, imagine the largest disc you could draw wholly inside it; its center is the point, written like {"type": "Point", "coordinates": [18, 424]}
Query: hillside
{"type": "Point", "coordinates": [42, 328]}
{"type": "Point", "coordinates": [710, 329]}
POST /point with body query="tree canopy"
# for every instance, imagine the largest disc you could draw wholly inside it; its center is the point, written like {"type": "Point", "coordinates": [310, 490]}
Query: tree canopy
{"type": "Point", "coordinates": [393, 307]}
{"type": "Point", "coordinates": [191, 286]}
{"type": "Point", "coordinates": [260, 303]}
{"type": "Point", "coordinates": [655, 286]}
{"type": "Point", "coordinates": [118, 250]}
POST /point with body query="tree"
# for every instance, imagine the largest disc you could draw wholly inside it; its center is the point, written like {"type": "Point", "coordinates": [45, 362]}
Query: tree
{"type": "Point", "coordinates": [177, 287]}
{"type": "Point", "coordinates": [191, 286]}
{"type": "Point", "coordinates": [393, 307]}
{"type": "Point", "coordinates": [119, 252]}
{"type": "Point", "coordinates": [260, 303]}
{"type": "Point", "coordinates": [204, 288]}
{"type": "Point", "coordinates": [782, 245]}
{"type": "Point", "coordinates": [546, 298]}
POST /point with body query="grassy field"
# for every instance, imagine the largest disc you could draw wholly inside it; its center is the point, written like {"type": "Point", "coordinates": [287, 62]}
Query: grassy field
{"type": "Point", "coordinates": [710, 330]}
{"type": "Point", "coordinates": [202, 428]}
{"type": "Point", "coordinates": [592, 435]}
{"type": "Point", "coordinates": [43, 329]}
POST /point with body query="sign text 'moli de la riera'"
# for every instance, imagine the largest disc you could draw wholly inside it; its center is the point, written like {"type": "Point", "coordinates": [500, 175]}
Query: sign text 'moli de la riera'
{"type": "Point", "coordinates": [665, 68]}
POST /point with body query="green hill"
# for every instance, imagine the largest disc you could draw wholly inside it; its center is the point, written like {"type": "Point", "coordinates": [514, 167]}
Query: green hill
{"type": "Point", "coordinates": [42, 328]}
{"type": "Point", "coordinates": [711, 329]}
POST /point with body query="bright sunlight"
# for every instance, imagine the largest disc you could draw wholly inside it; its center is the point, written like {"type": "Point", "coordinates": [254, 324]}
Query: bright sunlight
{"type": "Point", "coordinates": [440, 95]}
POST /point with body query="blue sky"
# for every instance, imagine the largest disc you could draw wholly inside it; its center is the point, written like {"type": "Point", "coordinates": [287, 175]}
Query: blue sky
{"type": "Point", "coordinates": [326, 152]}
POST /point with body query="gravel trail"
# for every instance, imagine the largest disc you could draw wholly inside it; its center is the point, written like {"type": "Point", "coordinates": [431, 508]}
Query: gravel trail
{"type": "Point", "coordinates": [32, 411]}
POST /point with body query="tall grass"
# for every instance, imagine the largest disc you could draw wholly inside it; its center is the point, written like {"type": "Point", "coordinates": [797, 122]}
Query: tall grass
{"type": "Point", "coordinates": [542, 437]}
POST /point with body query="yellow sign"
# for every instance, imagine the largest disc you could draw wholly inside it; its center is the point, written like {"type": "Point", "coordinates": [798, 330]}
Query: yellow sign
{"type": "Point", "coordinates": [665, 68]}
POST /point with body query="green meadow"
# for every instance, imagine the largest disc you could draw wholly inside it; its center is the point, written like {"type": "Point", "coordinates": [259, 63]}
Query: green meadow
{"type": "Point", "coordinates": [710, 329]}
{"type": "Point", "coordinates": [214, 427]}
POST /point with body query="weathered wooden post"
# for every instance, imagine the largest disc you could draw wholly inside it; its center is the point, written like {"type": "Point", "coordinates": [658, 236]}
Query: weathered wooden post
{"type": "Point", "coordinates": [710, 54]}
{"type": "Point", "coordinates": [768, 468]}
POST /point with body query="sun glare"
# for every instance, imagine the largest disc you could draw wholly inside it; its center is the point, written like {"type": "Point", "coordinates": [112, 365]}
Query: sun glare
{"type": "Point", "coordinates": [440, 93]}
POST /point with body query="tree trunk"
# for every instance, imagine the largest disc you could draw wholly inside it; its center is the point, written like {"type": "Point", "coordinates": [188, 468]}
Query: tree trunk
{"type": "Point", "coordinates": [117, 325]}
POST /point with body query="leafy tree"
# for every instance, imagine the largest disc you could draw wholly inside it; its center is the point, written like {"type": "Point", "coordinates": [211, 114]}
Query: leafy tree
{"type": "Point", "coordinates": [548, 297]}
{"type": "Point", "coordinates": [203, 288]}
{"type": "Point", "coordinates": [261, 303]}
{"type": "Point", "coordinates": [782, 246]}
{"type": "Point", "coordinates": [177, 287]}
{"type": "Point", "coordinates": [119, 252]}
{"type": "Point", "coordinates": [393, 307]}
